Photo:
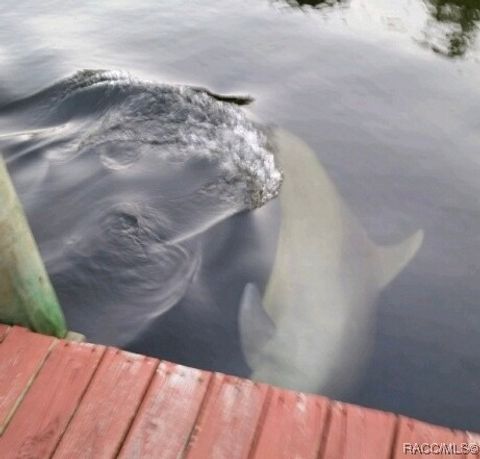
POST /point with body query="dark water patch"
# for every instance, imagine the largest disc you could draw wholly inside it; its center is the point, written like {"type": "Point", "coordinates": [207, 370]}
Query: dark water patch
{"type": "Point", "coordinates": [202, 329]}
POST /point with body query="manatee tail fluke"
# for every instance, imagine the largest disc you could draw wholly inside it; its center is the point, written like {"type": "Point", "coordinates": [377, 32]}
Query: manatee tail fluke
{"type": "Point", "coordinates": [392, 260]}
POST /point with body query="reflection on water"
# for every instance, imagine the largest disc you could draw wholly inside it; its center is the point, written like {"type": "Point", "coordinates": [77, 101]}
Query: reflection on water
{"type": "Point", "coordinates": [394, 124]}
{"type": "Point", "coordinates": [450, 26]}
{"type": "Point", "coordinates": [317, 3]}
{"type": "Point", "coordinates": [456, 23]}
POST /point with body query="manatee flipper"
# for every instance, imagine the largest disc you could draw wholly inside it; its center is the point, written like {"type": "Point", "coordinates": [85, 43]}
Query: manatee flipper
{"type": "Point", "coordinates": [256, 327]}
{"type": "Point", "coordinates": [392, 260]}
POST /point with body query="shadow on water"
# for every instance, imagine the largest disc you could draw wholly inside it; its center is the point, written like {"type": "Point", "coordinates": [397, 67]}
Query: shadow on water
{"type": "Point", "coordinates": [461, 18]}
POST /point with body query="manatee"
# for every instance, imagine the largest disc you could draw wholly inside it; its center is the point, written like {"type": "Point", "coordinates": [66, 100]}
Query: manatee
{"type": "Point", "coordinates": [312, 330]}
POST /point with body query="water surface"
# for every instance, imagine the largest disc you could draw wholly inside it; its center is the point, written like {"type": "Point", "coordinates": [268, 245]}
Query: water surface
{"type": "Point", "coordinates": [385, 92]}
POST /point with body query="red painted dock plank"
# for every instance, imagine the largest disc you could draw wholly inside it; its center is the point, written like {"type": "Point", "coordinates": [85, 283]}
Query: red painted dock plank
{"type": "Point", "coordinates": [21, 356]}
{"type": "Point", "coordinates": [168, 413]}
{"type": "Point", "coordinates": [108, 408]}
{"type": "Point", "coordinates": [228, 420]}
{"type": "Point", "coordinates": [292, 428]}
{"type": "Point", "coordinates": [358, 433]}
{"type": "Point", "coordinates": [412, 433]}
{"type": "Point", "coordinates": [51, 401]}
{"type": "Point", "coordinates": [3, 331]}
{"type": "Point", "coordinates": [76, 400]}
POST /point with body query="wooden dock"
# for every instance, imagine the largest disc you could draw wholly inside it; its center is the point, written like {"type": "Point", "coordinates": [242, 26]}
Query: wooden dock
{"type": "Point", "coordinates": [61, 399]}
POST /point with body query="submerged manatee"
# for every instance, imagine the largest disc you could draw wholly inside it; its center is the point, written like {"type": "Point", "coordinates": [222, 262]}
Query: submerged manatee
{"type": "Point", "coordinates": [120, 178]}
{"type": "Point", "coordinates": [313, 331]}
